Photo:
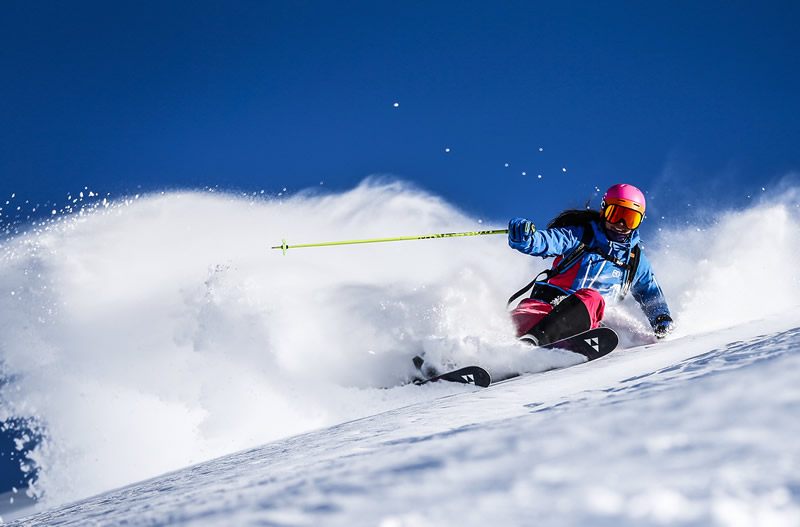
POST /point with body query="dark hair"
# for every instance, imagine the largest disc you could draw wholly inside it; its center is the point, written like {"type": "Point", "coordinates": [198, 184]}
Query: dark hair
{"type": "Point", "coordinates": [574, 217]}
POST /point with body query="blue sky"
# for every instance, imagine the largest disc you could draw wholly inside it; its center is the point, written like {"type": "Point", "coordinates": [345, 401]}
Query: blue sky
{"type": "Point", "coordinates": [125, 97]}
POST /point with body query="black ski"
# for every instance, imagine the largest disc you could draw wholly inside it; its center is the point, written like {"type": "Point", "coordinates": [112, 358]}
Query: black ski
{"type": "Point", "coordinates": [468, 375]}
{"type": "Point", "coordinates": [592, 344]}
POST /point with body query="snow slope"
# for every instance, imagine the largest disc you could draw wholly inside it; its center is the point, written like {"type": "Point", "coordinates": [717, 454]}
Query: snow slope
{"type": "Point", "coordinates": [670, 434]}
{"type": "Point", "coordinates": [155, 334]}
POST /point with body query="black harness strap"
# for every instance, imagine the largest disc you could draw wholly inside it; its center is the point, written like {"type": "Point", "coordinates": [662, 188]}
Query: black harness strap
{"type": "Point", "coordinates": [576, 254]}
{"type": "Point", "coordinates": [630, 271]}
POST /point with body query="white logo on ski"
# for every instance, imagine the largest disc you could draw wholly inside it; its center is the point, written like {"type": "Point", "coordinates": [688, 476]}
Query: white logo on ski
{"type": "Point", "coordinates": [594, 342]}
{"type": "Point", "coordinates": [469, 379]}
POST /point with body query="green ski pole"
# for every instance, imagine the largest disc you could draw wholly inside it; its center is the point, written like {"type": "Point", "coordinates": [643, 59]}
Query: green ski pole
{"type": "Point", "coordinates": [284, 246]}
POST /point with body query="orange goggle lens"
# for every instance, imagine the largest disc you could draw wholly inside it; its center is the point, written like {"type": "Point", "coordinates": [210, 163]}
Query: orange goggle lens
{"type": "Point", "coordinates": [617, 213]}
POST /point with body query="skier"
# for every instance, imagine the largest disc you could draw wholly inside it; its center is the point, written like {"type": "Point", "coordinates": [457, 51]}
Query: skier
{"type": "Point", "coordinates": [598, 259]}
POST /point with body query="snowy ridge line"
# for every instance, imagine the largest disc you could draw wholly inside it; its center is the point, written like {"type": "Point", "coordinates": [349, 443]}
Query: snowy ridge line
{"type": "Point", "coordinates": [734, 355]}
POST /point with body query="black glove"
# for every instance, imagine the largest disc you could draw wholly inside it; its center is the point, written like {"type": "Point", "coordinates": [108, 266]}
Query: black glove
{"type": "Point", "coordinates": [663, 325]}
{"type": "Point", "coordinates": [520, 233]}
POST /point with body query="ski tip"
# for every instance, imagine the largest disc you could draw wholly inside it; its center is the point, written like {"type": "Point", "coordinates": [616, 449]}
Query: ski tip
{"type": "Point", "coordinates": [483, 380]}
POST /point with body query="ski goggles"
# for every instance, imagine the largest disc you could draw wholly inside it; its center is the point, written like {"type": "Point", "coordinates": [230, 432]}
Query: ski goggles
{"type": "Point", "coordinates": [617, 213]}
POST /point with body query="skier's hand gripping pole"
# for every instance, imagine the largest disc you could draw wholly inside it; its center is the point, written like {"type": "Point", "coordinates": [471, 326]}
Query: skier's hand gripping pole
{"type": "Point", "coordinates": [520, 233]}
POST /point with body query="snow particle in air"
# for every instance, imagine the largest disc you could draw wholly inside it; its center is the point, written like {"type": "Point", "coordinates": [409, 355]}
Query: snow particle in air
{"type": "Point", "coordinates": [539, 176]}
{"type": "Point", "coordinates": [446, 149]}
{"type": "Point", "coordinates": [396, 104]}
{"type": "Point", "coordinates": [524, 173]}
{"type": "Point", "coordinates": [506, 165]}
{"type": "Point", "coordinates": [563, 169]}
{"type": "Point", "coordinates": [541, 149]}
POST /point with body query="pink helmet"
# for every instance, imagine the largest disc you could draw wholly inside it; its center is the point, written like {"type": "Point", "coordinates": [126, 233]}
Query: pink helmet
{"type": "Point", "coordinates": [625, 195]}
{"type": "Point", "coordinates": [623, 203]}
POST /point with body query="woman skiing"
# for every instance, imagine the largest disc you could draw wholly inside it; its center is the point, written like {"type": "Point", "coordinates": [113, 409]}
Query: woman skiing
{"type": "Point", "coordinates": [598, 259]}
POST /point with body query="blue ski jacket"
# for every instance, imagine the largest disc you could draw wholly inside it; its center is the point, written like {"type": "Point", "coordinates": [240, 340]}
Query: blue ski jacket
{"type": "Point", "coordinates": [595, 272]}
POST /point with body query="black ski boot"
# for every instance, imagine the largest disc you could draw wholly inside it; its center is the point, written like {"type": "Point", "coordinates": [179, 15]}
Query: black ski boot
{"type": "Point", "coordinates": [569, 317]}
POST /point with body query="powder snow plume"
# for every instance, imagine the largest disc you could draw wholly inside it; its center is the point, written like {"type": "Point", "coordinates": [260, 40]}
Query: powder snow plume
{"type": "Point", "coordinates": [160, 332]}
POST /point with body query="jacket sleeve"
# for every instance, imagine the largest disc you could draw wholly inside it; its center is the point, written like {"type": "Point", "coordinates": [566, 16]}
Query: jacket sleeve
{"type": "Point", "coordinates": [553, 242]}
{"type": "Point", "coordinates": [648, 293]}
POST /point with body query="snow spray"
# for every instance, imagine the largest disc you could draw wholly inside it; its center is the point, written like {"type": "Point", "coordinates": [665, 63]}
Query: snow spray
{"type": "Point", "coordinates": [159, 332]}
